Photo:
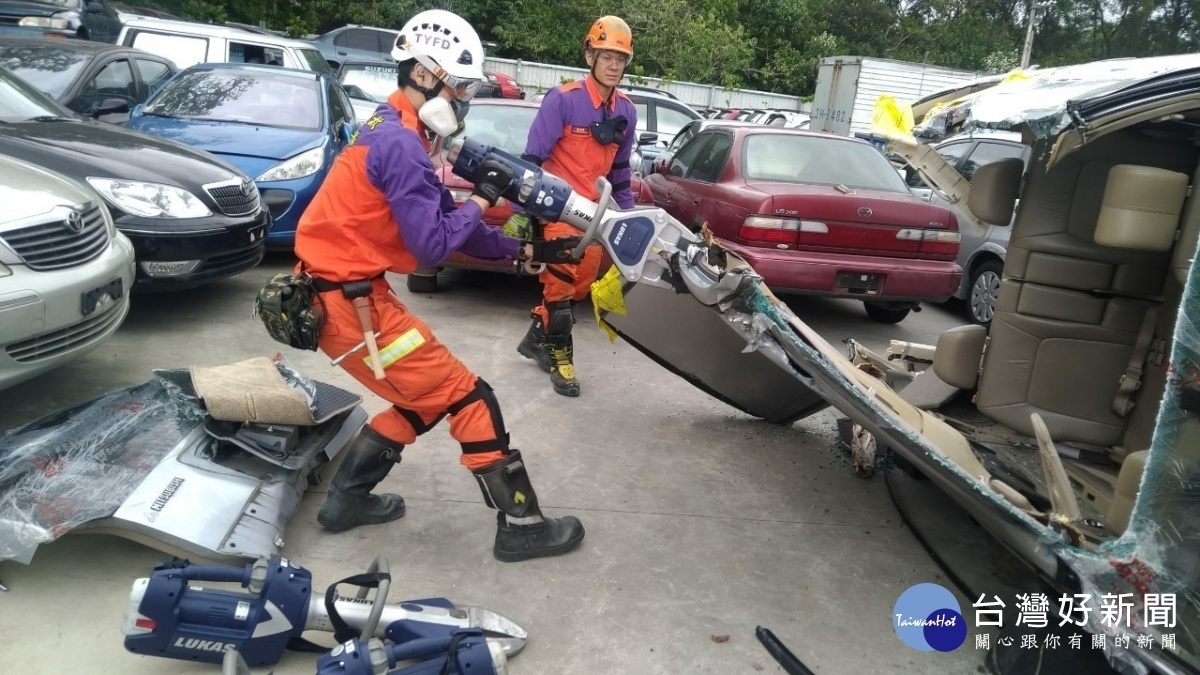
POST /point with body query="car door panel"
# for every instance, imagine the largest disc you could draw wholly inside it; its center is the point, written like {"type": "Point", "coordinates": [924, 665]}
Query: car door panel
{"type": "Point", "coordinates": [673, 178]}
{"type": "Point", "coordinates": [700, 193]}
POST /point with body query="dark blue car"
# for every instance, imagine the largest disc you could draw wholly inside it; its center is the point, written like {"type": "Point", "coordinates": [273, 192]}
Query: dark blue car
{"type": "Point", "coordinates": [282, 126]}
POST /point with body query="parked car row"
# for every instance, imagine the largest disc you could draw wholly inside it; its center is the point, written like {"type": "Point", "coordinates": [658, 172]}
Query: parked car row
{"type": "Point", "coordinates": [772, 117]}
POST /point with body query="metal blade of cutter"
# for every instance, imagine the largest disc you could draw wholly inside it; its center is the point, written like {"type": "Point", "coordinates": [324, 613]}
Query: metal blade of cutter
{"type": "Point", "coordinates": [498, 629]}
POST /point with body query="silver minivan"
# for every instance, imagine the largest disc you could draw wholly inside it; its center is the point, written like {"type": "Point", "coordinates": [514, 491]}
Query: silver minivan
{"type": "Point", "coordinates": [65, 271]}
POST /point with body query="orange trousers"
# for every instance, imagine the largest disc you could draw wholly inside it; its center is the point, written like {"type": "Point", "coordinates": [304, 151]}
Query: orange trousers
{"type": "Point", "coordinates": [566, 282]}
{"type": "Point", "coordinates": [423, 379]}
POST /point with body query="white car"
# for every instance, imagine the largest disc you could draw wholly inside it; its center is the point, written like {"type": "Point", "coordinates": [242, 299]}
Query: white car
{"type": "Point", "coordinates": [65, 271]}
{"type": "Point", "coordinates": [187, 43]}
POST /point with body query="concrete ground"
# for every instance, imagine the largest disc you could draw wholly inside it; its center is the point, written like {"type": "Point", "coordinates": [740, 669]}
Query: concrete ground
{"type": "Point", "coordinates": [702, 522]}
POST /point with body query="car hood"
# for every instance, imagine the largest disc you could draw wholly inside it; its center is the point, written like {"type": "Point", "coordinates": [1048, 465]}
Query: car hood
{"type": "Point", "coordinates": [230, 138]}
{"type": "Point", "coordinates": [29, 9]}
{"type": "Point", "coordinates": [80, 149]}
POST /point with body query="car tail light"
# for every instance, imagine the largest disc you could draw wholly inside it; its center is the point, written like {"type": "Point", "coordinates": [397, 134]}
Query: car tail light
{"type": "Point", "coordinates": [934, 243]}
{"type": "Point", "coordinates": [775, 230]}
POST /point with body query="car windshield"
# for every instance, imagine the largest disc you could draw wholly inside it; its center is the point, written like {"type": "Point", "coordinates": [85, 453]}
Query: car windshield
{"type": "Point", "coordinates": [241, 96]}
{"type": "Point", "coordinates": [820, 161]}
{"type": "Point", "coordinates": [504, 126]}
{"type": "Point", "coordinates": [49, 69]}
{"type": "Point", "coordinates": [19, 101]}
{"type": "Point", "coordinates": [379, 81]}
{"type": "Point", "coordinates": [315, 61]}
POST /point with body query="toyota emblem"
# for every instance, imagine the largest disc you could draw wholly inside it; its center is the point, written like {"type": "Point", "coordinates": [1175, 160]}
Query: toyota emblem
{"type": "Point", "coordinates": [248, 188]}
{"type": "Point", "coordinates": [74, 221]}
{"type": "Point", "coordinates": [865, 212]}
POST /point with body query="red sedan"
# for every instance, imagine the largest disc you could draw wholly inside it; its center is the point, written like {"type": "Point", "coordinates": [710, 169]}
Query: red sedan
{"type": "Point", "coordinates": [814, 213]}
{"type": "Point", "coordinates": [508, 86]}
{"type": "Point", "coordinates": [504, 123]}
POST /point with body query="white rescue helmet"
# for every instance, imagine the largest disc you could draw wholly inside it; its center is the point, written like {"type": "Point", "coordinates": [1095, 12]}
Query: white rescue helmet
{"type": "Point", "coordinates": [447, 45]}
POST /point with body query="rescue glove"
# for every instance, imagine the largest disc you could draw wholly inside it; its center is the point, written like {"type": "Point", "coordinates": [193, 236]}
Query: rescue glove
{"type": "Point", "coordinates": [492, 179]}
{"type": "Point", "coordinates": [519, 226]}
{"type": "Point", "coordinates": [552, 251]}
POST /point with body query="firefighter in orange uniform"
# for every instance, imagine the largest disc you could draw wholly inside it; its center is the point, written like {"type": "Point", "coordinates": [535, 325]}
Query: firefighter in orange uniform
{"type": "Point", "coordinates": [383, 209]}
{"type": "Point", "coordinates": [583, 130]}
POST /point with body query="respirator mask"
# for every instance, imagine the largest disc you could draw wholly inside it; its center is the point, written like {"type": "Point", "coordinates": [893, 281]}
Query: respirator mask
{"type": "Point", "coordinates": [443, 117]}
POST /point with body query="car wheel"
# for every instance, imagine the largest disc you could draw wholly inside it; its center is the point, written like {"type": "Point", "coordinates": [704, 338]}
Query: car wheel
{"type": "Point", "coordinates": [885, 315]}
{"type": "Point", "coordinates": [981, 296]}
{"type": "Point", "coordinates": [420, 283]}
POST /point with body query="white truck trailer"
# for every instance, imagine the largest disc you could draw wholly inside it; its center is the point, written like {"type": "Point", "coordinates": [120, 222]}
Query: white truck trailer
{"type": "Point", "coordinates": [849, 86]}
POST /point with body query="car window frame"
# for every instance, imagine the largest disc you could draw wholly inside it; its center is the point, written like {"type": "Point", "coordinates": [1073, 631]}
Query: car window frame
{"type": "Point", "coordinates": [1019, 148]}
{"type": "Point", "coordinates": [715, 134]}
{"type": "Point", "coordinates": [700, 139]}
{"type": "Point", "coordinates": [694, 125]}
{"type": "Point", "coordinates": [146, 90]}
{"type": "Point", "coordinates": [94, 72]}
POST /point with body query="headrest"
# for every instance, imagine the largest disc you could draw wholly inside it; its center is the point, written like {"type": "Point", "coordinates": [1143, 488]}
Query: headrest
{"type": "Point", "coordinates": [994, 190]}
{"type": "Point", "coordinates": [1141, 208]}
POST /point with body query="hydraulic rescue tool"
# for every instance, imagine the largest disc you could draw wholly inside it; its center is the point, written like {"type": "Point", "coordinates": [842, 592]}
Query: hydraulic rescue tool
{"type": "Point", "coordinates": [645, 243]}
{"type": "Point", "coordinates": [170, 614]}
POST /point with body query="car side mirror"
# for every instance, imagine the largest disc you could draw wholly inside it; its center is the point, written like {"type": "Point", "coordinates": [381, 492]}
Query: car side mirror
{"type": "Point", "coordinates": [647, 138]}
{"type": "Point", "coordinates": [110, 106]}
{"type": "Point", "coordinates": [345, 131]}
{"type": "Point", "coordinates": [994, 190]}
{"type": "Point", "coordinates": [95, 8]}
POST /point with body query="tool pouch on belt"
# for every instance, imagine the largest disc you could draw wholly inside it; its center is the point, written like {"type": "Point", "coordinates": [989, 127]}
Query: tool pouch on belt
{"type": "Point", "coordinates": [286, 305]}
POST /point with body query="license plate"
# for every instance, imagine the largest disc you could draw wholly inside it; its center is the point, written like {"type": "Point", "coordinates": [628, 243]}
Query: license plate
{"type": "Point", "coordinates": [92, 299]}
{"type": "Point", "coordinates": [865, 284]}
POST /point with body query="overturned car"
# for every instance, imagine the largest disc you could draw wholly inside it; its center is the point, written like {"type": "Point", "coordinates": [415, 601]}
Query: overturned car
{"type": "Point", "coordinates": [1077, 444]}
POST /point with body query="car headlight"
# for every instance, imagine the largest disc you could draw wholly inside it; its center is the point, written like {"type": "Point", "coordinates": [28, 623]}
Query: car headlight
{"type": "Point", "coordinates": [150, 200]}
{"type": "Point", "coordinates": [44, 22]}
{"type": "Point", "coordinates": [304, 164]}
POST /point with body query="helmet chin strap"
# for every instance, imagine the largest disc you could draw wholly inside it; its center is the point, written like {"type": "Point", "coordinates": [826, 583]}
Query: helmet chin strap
{"type": "Point", "coordinates": [429, 93]}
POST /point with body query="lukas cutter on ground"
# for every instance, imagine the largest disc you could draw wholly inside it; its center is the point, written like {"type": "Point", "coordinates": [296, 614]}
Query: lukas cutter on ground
{"type": "Point", "coordinates": [170, 617]}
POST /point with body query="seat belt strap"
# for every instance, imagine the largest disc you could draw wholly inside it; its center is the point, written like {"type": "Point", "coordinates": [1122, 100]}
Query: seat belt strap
{"type": "Point", "coordinates": [1131, 381]}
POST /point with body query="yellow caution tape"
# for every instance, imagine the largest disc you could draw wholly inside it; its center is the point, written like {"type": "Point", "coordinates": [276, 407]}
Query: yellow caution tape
{"type": "Point", "coordinates": [607, 297]}
{"type": "Point", "coordinates": [399, 348]}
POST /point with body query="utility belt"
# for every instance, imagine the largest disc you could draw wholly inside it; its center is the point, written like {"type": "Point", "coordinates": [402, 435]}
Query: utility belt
{"type": "Point", "coordinates": [357, 288]}
{"type": "Point", "coordinates": [291, 308]}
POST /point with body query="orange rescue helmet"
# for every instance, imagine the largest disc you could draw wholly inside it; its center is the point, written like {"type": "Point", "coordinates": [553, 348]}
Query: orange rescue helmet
{"type": "Point", "coordinates": [610, 32]}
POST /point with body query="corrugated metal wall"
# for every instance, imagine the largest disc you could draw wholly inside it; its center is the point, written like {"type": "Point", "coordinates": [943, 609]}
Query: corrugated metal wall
{"type": "Point", "coordinates": [541, 76]}
{"type": "Point", "coordinates": [903, 81]}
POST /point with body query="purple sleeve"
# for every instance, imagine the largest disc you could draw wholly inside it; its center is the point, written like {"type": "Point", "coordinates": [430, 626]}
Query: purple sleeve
{"type": "Point", "coordinates": [621, 177]}
{"type": "Point", "coordinates": [547, 126]}
{"type": "Point", "coordinates": [398, 166]}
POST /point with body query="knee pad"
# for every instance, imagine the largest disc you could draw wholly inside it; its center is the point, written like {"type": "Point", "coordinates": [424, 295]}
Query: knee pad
{"type": "Point", "coordinates": [562, 317]}
{"type": "Point", "coordinates": [483, 392]}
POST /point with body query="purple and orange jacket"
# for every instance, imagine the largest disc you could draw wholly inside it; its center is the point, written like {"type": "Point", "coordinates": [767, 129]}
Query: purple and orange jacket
{"type": "Point", "coordinates": [561, 139]}
{"type": "Point", "coordinates": [382, 207]}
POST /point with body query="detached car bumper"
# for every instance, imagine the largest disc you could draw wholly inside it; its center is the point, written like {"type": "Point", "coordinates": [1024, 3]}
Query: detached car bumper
{"type": "Point", "coordinates": [50, 318]}
{"type": "Point", "coordinates": [886, 279]}
{"type": "Point", "coordinates": [173, 255]}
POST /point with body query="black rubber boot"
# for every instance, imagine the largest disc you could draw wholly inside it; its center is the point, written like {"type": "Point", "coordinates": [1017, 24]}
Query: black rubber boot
{"type": "Point", "coordinates": [350, 502]}
{"type": "Point", "coordinates": [562, 348]}
{"type": "Point", "coordinates": [533, 345]}
{"type": "Point", "coordinates": [522, 532]}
